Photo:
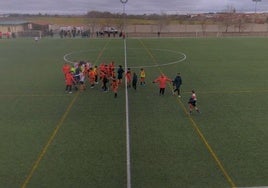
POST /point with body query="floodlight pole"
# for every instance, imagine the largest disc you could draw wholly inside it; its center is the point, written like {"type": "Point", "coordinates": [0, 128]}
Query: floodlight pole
{"type": "Point", "coordinates": [256, 1]}
{"type": "Point", "coordinates": [124, 16]}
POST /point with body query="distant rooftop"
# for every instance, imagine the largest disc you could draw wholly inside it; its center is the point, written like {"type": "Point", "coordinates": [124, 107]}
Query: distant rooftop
{"type": "Point", "coordinates": [12, 22]}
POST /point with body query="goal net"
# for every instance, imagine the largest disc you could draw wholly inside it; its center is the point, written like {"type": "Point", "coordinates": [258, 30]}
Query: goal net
{"type": "Point", "coordinates": [31, 33]}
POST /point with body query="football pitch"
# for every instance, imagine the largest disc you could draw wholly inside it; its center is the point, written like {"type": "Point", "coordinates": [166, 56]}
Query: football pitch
{"type": "Point", "coordinates": [53, 139]}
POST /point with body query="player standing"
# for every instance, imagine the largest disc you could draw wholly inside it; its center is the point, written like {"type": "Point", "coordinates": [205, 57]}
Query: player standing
{"type": "Point", "coordinates": [91, 76]}
{"type": "Point", "coordinates": [66, 68]}
{"type": "Point", "coordinates": [120, 72]}
{"type": "Point", "coordinates": [114, 85]}
{"type": "Point", "coordinates": [142, 77]}
{"type": "Point", "coordinates": [134, 80]}
{"type": "Point", "coordinates": [162, 81]}
{"type": "Point", "coordinates": [69, 81]}
{"type": "Point", "coordinates": [129, 77]}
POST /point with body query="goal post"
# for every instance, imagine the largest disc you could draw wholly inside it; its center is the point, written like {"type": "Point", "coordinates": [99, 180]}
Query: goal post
{"type": "Point", "coordinates": [30, 33]}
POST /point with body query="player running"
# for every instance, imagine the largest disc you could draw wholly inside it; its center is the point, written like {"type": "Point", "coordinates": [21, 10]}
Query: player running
{"type": "Point", "coordinates": [177, 84]}
{"type": "Point", "coordinates": [192, 103]}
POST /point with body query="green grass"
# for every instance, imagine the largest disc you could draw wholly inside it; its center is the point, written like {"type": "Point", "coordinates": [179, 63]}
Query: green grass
{"type": "Point", "coordinates": [79, 139]}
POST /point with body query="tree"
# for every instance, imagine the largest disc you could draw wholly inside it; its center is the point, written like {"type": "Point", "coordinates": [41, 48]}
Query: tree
{"type": "Point", "coordinates": [240, 23]}
{"type": "Point", "coordinates": [92, 18]}
{"type": "Point", "coordinates": [228, 17]}
{"type": "Point", "coordinates": [162, 22]}
{"type": "Point", "coordinates": [203, 22]}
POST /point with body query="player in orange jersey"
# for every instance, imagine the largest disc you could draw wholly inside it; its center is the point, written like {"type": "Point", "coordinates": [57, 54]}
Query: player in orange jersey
{"type": "Point", "coordinates": [114, 86]}
{"type": "Point", "coordinates": [128, 77]}
{"type": "Point", "coordinates": [96, 71]}
{"type": "Point", "coordinates": [111, 67]}
{"type": "Point", "coordinates": [91, 76]}
{"type": "Point", "coordinates": [66, 68]}
{"type": "Point", "coordinates": [162, 81]}
{"type": "Point", "coordinates": [69, 81]}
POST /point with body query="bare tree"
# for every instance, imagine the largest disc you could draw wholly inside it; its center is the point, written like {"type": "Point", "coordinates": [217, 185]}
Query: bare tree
{"type": "Point", "coordinates": [119, 24]}
{"type": "Point", "coordinates": [92, 21]}
{"type": "Point", "coordinates": [240, 23]}
{"type": "Point", "coordinates": [203, 23]}
{"type": "Point", "coordinates": [162, 22]}
{"type": "Point", "coordinates": [228, 17]}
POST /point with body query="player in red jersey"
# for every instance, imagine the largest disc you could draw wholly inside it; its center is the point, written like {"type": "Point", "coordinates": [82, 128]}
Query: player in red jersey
{"type": "Point", "coordinates": [69, 80]}
{"type": "Point", "coordinates": [91, 76]}
{"type": "Point", "coordinates": [162, 81]}
{"type": "Point", "coordinates": [66, 68]}
{"type": "Point", "coordinates": [128, 77]}
{"type": "Point", "coordinates": [114, 86]}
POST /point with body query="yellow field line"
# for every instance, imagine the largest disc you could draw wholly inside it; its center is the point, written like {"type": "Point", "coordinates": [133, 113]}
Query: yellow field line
{"type": "Point", "coordinates": [54, 133]}
{"type": "Point", "coordinates": [204, 140]}
{"type": "Point", "coordinates": [35, 95]}
{"type": "Point", "coordinates": [198, 131]}
{"type": "Point", "coordinates": [101, 52]}
{"type": "Point", "coordinates": [50, 140]}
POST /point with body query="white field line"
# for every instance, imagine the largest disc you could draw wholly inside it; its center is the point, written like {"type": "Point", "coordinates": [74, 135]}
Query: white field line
{"type": "Point", "coordinates": [254, 187]}
{"type": "Point", "coordinates": [127, 123]}
{"type": "Point", "coordinates": [159, 64]}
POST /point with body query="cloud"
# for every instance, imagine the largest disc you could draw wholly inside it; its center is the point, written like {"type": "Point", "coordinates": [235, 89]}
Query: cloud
{"type": "Point", "coordinates": [132, 6]}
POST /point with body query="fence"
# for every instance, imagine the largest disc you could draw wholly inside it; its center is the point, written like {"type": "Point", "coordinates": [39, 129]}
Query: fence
{"type": "Point", "coordinates": [197, 34]}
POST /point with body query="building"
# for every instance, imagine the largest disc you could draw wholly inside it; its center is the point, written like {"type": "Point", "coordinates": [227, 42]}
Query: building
{"type": "Point", "coordinates": [22, 29]}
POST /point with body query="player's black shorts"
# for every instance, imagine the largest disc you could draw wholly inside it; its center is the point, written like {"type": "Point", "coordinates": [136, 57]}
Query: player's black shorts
{"type": "Point", "coordinates": [192, 102]}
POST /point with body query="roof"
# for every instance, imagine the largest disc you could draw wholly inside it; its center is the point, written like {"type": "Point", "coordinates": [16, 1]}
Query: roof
{"type": "Point", "coordinates": [12, 22]}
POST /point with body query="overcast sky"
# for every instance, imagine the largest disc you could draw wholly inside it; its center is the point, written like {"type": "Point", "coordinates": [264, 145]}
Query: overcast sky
{"type": "Point", "coordinates": [131, 7]}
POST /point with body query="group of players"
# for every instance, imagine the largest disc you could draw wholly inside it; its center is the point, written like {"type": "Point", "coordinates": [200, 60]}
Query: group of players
{"type": "Point", "coordinates": [111, 77]}
{"type": "Point", "coordinates": [107, 74]}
